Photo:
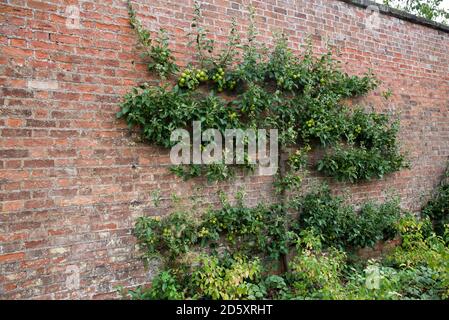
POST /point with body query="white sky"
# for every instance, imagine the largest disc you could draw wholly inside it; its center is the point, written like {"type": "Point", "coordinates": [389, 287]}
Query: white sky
{"type": "Point", "coordinates": [446, 4]}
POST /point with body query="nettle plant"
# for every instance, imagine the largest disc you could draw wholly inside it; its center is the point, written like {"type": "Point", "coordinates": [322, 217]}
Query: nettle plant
{"type": "Point", "coordinates": [246, 85]}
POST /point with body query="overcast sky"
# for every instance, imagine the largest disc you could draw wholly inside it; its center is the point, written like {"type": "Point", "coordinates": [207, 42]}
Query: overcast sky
{"type": "Point", "coordinates": [446, 4]}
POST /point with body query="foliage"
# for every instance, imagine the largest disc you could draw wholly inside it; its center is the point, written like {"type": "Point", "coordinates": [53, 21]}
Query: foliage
{"type": "Point", "coordinates": [248, 86]}
{"type": "Point", "coordinates": [275, 287]}
{"type": "Point", "coordinates": [376, 222]}
{"type": "Point", "coordinates": [161, 59]}
{"type": "Point", "coordinates": [174, 234]}
{"type": "Point", "coordinates": [340, 225]}
{"type": "Point", "coordinates": [429, 9]}
{"type": "Point", "coordinates": [262, 229]}
{"type": "Point", "coordinates": [157, 111]}
{"type": "Point", "coordinates": [316, 274]}
{"type": "Point", "coordinates": [228, 279]}
{"type": "Point", "coordinates": [163, 287]}
{"type": "Point", "coordinates": [221, 242]}
{"type": "Point", "coordinates": [423, 250]}
{"type": "Point", "coordinates": [437, 209]}
{"type": "Point", "coordinates": [380, 281]}
{"type": "Point", "coordinates": [370, 150]}
{"type": "Point", "coordinates": [297, 164]}
{"type": "Point", "coordinates": [269, 229]}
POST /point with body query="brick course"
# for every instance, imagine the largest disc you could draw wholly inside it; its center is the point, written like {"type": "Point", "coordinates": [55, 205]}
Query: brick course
{"type": "Point", "coordinates": [72, 177]}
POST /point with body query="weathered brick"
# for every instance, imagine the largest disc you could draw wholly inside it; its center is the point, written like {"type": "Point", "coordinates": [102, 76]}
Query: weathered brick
{"type": "Point", "coordinates": [280, 10]}
{"type": "Point", "coordinates": [16, 93]}
{"type": "Point", "coordinates": [16, 133]}
{"type": "Point", "coordinates": [12, 257]}
{"type": "Point", "coordinates": [9, 196]}
{"type": "Point", "coordinates": [40, 123]}
{"type": "Point", "coordinates": [14, 153]}
{"type": "Point", "coordinates": [38, 163]}
{"type": "Point", "coordinates": [14, 122]}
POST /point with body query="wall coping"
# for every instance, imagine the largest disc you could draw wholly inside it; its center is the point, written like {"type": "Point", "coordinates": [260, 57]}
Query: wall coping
{"type": "Point", "coordinates": [400, 14]}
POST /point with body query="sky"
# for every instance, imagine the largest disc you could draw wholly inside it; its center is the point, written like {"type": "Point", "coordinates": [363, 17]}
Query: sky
{"type": "Point", "coordinates": [446, 4]}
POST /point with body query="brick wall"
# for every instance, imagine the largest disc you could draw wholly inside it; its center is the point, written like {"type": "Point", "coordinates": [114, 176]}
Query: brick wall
{"type": "Point", "coordinates": [73, 179]}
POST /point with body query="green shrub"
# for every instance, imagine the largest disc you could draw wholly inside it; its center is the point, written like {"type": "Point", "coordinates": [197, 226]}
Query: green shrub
{"type": "Point", "coordinates": [164, 286]}
{"type": "Point", "coordinates": [174, 234]}
{"type": "Point", "coordinates": [227, 253]}
{"type": "Point", "coordinates": [262, 229]}
{"type": "Point", "coordinates": [226, 279]}
{"type": "Point", "coordinates": [422, 283]}
{"type": "Point", "coordinates": [375, 282]}
{"type": "Point", "coordinates": [376, 222]}
{"type": "Point", "coordinates": [422, 249]}
{"type": "Point", "coordinates": [437, 209]}
{"type": "Point", "coordinates": [300, 95]}
{"type": "Point", "coordinates": [328, 215]}
{"type": "Point", "coordinates": [340, 225]}
{"type": "Point", "coordinates": [370, 149]}
{"type": "Point", "coordinates": [350, 163]}
{"type": "Point", "coordinates": [157, 111]}
{"type": "Point", "coordinates": [275, 287]}
{"type": "Point", "coordinates": [316, 274]}
{"type": "Point", "coordinates": [417, 269]}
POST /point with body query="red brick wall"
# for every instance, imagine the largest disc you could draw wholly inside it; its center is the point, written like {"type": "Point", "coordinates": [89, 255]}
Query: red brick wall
{"type": "Point", "coordinates": [72, 178]}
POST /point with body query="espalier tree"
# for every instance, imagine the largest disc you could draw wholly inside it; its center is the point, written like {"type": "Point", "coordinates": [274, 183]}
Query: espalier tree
{"type": "Point", "coordinates": [237, 252]}
{"type": "Point", "coordinates": [245, 85]}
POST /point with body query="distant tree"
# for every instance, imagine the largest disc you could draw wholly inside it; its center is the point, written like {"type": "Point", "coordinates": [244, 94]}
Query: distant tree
{"type": "Point", "coordinates": [429, 9]}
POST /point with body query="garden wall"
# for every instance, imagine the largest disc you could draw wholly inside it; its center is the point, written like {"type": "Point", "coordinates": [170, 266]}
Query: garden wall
{"type": "Point", "coordinates": [72, 177]}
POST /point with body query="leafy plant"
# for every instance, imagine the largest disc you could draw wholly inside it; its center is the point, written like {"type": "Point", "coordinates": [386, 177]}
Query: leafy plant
{"type": "Point", "coordinates": [260, 229]}
{"type": "Point", "coordinates": [161, 59]}
{"type": "Point", "coordinates": [226, 279]}
{"type": "Point", "coordinates": [437, 209]}
{"type": "Point", "coordinates": [370, 151]}
{"type": "Point", "coordinates": [300, 95]}
{"type": "Point", "coordinates": [276, 287]}
{"type": "Point", "coordinates": [340, 225]}
{"type": "Point", "coordinates": [215, 250]}
{"type": "Point", "coordinates": [423, 250]}
{"type": "Point", "coordinates": [175, 233]}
